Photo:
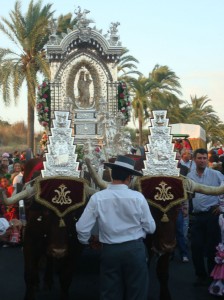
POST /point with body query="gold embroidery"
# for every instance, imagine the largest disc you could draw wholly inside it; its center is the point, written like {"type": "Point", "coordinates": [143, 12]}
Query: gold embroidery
{"type": "Point", "coordinates": [164, 193]}
{"type": "Point", "coordinates": [62, 196]}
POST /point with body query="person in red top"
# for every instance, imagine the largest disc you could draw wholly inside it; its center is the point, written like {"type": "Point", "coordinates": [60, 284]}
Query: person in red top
{"type": "Point", "coordinates": [178, 145]}
{"type": "Point", "coordinates": [9, 212]}
{"type": "Point", "coordinates": [220, 151]}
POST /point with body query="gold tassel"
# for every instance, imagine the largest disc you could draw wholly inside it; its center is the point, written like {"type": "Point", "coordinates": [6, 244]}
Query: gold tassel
{"type": "Point", "coordinates": [165, 218]}
{"type": "Point", "coordinates": [61, 223]}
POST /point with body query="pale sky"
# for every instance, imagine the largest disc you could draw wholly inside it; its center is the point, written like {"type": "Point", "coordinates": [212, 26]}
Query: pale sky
{"type": "Point", "coordinates": [185, 35]}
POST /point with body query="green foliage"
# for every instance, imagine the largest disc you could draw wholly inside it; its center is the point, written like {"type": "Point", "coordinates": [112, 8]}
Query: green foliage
{"type": "Point", "coordinates": [80, 153]}
{"type": "Point", "coordinates": [4, 123]}
{"type": "Point", "coordinates": [65, 22]}
{"type": "Point", "coordinates": [29, 33]}
{"type": "Point", "coordinates": [127, 66]}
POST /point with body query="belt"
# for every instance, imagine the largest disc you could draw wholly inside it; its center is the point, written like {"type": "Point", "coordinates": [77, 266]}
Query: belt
{"type": "Point", "coordinates": [202, 213]}
{"type": "Point", "coordinates": [124, 243]}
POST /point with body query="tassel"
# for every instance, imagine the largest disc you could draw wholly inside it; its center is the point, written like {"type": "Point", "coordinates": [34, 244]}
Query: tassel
{"type": "Point", "coordinates": [165, 218]}
{"type": "Point", "coordinates": [61, 223]}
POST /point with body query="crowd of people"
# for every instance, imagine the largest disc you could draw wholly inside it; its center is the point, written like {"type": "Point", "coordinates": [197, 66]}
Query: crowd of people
{"type": "Point", "coordinates": [11, 173]}
{"type": "Point", "coordinates": [205, 167]}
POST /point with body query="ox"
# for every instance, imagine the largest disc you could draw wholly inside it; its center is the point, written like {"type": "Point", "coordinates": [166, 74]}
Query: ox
{"type": "Point", "coordinates": [163, 241]}
{"type": "Point", "coordinates": [45, 237]}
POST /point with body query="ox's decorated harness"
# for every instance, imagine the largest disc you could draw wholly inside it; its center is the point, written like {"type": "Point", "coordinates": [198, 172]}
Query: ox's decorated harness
{"type": "Point", "coordinates": [61, 194]}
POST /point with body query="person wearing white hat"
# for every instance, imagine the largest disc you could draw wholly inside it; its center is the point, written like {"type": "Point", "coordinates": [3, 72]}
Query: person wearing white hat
{"type": "Point", "coordinates": [124, 219]}
{"type": "Point", "coordinates": [5, 155]}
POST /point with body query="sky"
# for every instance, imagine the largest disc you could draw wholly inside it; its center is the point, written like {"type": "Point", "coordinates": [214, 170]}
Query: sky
{"type": "Point", "coordinates": [187, 36]}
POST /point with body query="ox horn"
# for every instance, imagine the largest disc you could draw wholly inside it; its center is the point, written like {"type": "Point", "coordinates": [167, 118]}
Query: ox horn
{"type": "Point", "coordinates": [97, 180]}
{"type": "Point", "coordinates": [192, 187]}
{"type": "Point", "coordinates": [89, 191]}
{"type": "Point", "coordinates": [28, 192]}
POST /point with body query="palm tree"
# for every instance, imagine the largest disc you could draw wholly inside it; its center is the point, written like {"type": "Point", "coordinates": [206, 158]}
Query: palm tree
{"type": "Point", "coordinates": [200, 109]}
{"type": "Point", "coordinates": [165, 88]}
{"type": "Point", "coordinates": [140, 103]}
{"type": "Point", "coordinates": [126, 66]}
{"type": "Point", "coordinates": [214, 129]}
{"type": "Point", "coordinates": [29, 34]}
{"type": "Point", "coordinates": [64, 22]}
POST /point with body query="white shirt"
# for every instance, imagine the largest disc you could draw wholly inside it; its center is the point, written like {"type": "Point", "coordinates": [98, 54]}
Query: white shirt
{"type": "Point", "coordinates": [190, 164]}
{"type": "Point", "coordinates": [210, 177]}
{"type": "Point", "coordinates": [122, 215]}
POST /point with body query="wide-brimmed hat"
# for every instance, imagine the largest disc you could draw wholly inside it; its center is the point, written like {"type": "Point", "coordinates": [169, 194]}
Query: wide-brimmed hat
{"type": "Point", "coordinates": [125, 163]}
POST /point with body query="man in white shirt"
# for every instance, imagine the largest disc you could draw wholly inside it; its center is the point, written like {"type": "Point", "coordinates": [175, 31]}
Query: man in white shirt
{"type": "Point", "coordinates": [205, 230]}
{"type": "Point", "coordinates": [124, 219]}
{"type": "Point", "coordinates": [186, 160]}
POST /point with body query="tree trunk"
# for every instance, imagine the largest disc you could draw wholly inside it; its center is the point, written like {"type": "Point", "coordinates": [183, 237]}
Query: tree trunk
{"type": "Point", "coordinates": [140, 131]}
{"type": "Point", "coordinates": [30, 127]}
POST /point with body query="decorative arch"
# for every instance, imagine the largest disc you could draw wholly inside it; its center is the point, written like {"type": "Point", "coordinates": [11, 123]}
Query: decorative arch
{"type": "Point", "coordinates": [96, 67]}
{"type": "Point", "coordinates": [94, 36]}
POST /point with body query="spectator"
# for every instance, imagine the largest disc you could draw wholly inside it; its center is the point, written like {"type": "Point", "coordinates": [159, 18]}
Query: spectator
{"type": "Point", "coordinates": [221, 160]}
{"type": "Point", "coordinates": [214, 162]}
{"type": "Point", "coordinates": [11, 211]}
{"type": "Point", "coordinates": [6, 185]}
{"type": "Point", "coordinates": [23, 155]}
{"type": "Point", "coordinates": [182, 223]}
{"type": "Point", "coordinates": [178, 145]}
{"type": "Point", "coordinates": [181, 232]}
{"type": "Point", "coordinates": [6, 227]}
{"type": "Point", "coordinates": [5, 161]}
{"type": "Point", "coordinates": [186, 160]}
{"type": "Point", "coordinates": [16, 169]}
{"type": "Point", "coordinates": [19, 178]}
{"type": "Point", "coordinates": [16, 156]}
{"type": "Point", "coordinates": [3, 170]}
{"type": "Point", "coordinates": [220, 151]}
{"type": "Point", "coordinates": [205, 231]}
{"type": "Point", "coordinates": [186, 145]}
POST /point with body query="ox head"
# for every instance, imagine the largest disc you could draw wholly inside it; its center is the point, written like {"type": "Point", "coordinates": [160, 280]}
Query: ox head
{"type": "Point", "coordinates": [43, 221]}
{"type": "Point", "coordinates": [43, 231]}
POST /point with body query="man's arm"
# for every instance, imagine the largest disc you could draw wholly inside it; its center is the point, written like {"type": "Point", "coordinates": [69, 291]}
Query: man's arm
{"type": "Point", "coordinates": [148, 223]}
{"type": "Point", "coordinates": [86, 222]}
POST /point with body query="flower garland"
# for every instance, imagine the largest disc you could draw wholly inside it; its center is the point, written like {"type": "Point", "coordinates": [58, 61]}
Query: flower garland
{"type": "Point", "coordinates": [43, 104]}
{"type": "Point", "coordinates": [124, 104]}
{"type": "Point", "coordinates": [43, 141]}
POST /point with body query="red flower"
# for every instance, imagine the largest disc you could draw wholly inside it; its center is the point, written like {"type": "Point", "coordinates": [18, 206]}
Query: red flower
{"type": "Point", "coordinates": [121, 96]}
{"type": "Point", "coordinates": [45, 96]}
{"type": "Point", "coordinates": [39, 105]}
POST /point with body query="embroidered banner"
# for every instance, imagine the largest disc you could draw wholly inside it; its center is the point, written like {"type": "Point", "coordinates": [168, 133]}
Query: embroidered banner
{"type": "Point", "coordinates": [163, 192]}
{"type": "Point", "coordinates": [61, 194]}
